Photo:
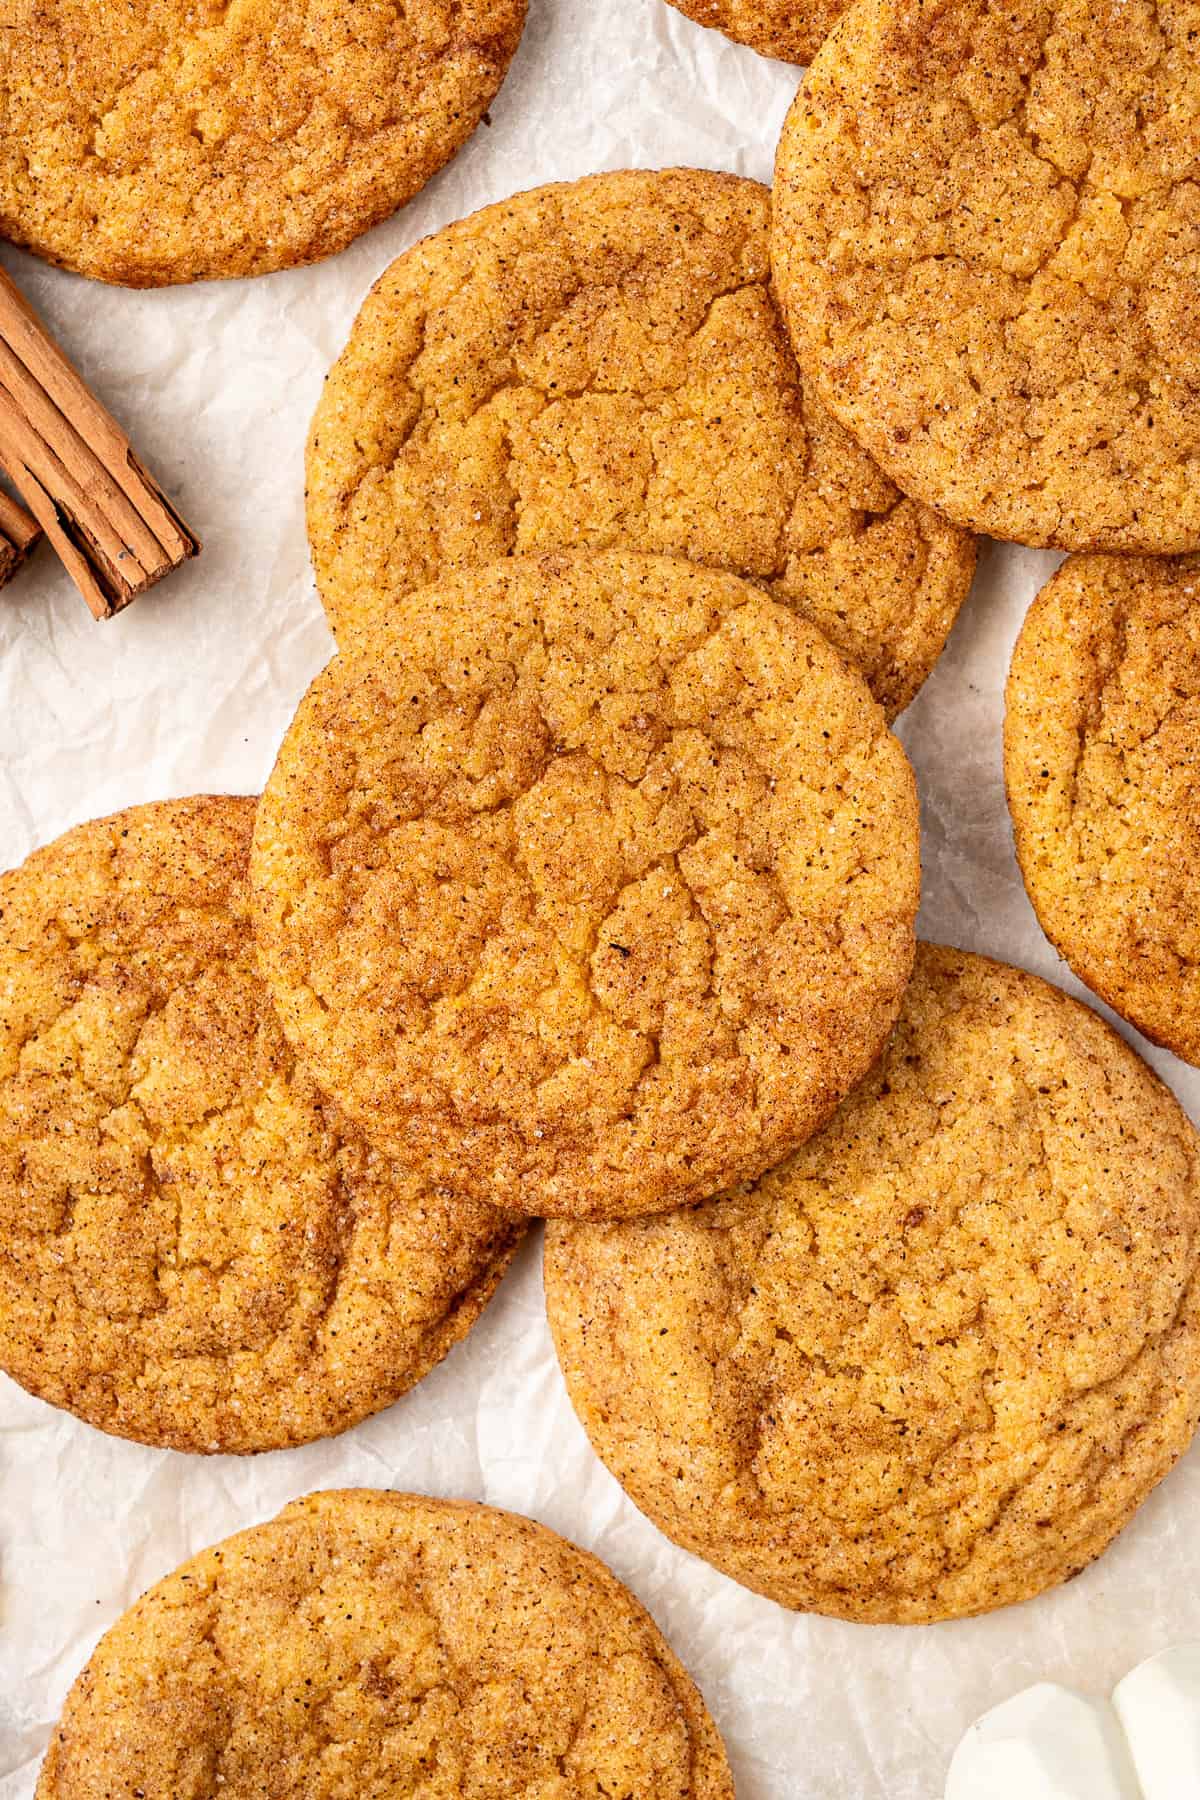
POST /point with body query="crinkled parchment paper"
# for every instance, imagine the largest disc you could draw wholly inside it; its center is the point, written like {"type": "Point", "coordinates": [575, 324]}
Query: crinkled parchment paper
{"type": "Point", "coordinates": [191, 689]}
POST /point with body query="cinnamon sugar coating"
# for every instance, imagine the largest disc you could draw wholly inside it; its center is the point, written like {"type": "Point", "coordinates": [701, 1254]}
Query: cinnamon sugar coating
{"type": "Point", "coordinates": [388, 1645]}
{"type": "Point", "coordinates": [791, 30]}
{"type": "Point", "coordinates": [586, 884]}
{"type": "Point", "coordinates": [186, 140]}
{"type": "Point", "coordinates": [987, 244]}
{"type": "Point", "coordinates": [195, 1251]}
{"type": "Point", "coordinates": [1102, 766]}
{"type": "Point", "coordinates": [600, 364]}
{"type": "Point", "coordinates": [932, 1363]}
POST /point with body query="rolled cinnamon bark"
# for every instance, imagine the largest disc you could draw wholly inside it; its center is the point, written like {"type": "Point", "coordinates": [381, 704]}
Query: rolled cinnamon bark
{"type": "Point", "coordinates": [106, 516]}
{"type": "Point", "coordinates": [19, 534]}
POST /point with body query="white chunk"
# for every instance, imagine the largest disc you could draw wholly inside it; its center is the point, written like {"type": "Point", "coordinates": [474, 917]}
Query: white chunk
{"type": "Point", "coordinates": [1158, 1703]}
{"type": "Point", "coordinates": [1046, 1743]}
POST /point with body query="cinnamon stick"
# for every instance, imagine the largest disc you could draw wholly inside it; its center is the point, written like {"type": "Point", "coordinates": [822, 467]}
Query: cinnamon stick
{"type": "Point", "coordinates": [110, 522]}
{"type": "Point", "coordinates": [19, 532]}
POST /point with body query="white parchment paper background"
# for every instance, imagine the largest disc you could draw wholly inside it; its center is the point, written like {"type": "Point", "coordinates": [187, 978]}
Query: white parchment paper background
{"type": "Point", "coordinates": [191, 690]}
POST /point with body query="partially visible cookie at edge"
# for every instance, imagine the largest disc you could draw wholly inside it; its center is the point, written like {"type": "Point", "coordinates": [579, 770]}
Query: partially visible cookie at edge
{"type": "Point", "coordinates": [1102, 768]}
{"type": "Point", "coordinates": [590, 884]}
{"type": "Point", "coordinates": [791, 30]}
{"type": "Point", "coordinates": [600, 364]}
{"type": "Point", "coordinates": [932, 1363]}
{"type": "Point", "coordinates": [195, 1250]}
{"type": "Point", "coordinates": [386, 1644]}
{"type": "Point", "coordinates": [189, 140]}
{"type": "Point", "coordinates": [986, 241]}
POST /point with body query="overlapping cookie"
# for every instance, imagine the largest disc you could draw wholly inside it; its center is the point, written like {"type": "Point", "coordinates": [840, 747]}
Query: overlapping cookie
{"type": "Point", "coordinates": [986, 240]}
{"type": "Point", "coordinates": [600, 364]}
{"type": "Point", "coordinates": [195, 1250]}
{"type": "Point", "coordinates": [586, 885]}
{"type": "Point", "coordinates": [934, 1361]}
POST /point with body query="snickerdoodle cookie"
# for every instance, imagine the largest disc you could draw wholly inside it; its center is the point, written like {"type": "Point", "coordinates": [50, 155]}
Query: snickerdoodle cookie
{"type": "Point", "coordinates": [792, 30]}
{"type": "Point", "coordinates": [1102, 765]}
{"type": "Point", "coordinates": [193, 1250]}
{"type": "Point", "coordinates": [181, 140]}
{"type": "Point", "coordinates": [987, 243]}
{"type": "Point", "coordinates": [933, 1362]}
{"type": "Point", "coordinates": [600, 364]}
{"type": "Point", "coordinates": [387, 1645]}
{"type": "Point", "coordinates": [590, 886]}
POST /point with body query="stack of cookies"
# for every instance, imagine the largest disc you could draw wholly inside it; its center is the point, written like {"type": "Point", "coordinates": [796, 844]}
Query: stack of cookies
{"type": "Point", "coordinates": [584, 889]}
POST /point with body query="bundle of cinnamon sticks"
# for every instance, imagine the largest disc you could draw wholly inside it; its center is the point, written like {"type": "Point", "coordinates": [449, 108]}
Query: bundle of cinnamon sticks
{"type": "Point", "coordinates": [64, 453]}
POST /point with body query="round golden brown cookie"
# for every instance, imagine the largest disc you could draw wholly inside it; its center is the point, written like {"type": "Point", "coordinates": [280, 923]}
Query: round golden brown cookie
{"type": "Point", "coordinates": [184, 140]}
{"type": "Point", "coordinates": [932, 1363]}
{"type": "Point", "coordinates": [193, 1250]}
{"type": "Point", "coordinates": [1102, 766]}
{"type": "Point", "coordinates": [789, 29]}
{"type": "Point", "coordinates": [598, 365]}
{"type": "Point", "coordinates": [390, 1645]}
{"type": "Point", "coordinates": [987, 243]}
{"type": "Point", "coordinates": [591, 886]}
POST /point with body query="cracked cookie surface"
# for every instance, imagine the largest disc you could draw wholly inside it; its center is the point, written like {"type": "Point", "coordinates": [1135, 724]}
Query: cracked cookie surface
{"type": "Point", "coordinates": [183, 140]}
{"type": "Point", "coordinates": [1102, 768]}
{"type": "Point", "coordinates": [781, 28]}
{"type": "Point", "coordinates": [591, 885]}
{"type": "Point", "coordinates": [932, 1363]}
{"type": "Point", "coordinates": [194, 1250]}
{"type": "Point", "coordinates": [390, 1645]}
{"type": "Point", "coordinates": [987, 243]}
{"type": "Point", "coordinates": [600, 364]}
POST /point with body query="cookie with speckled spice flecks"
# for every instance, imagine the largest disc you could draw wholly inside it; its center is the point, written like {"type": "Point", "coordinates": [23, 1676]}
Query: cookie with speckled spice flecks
{"type": "Point", "coordinates": [587, 884]}
{"type": "Point", "coordinates": [195, 1250]}
{"type": "Point", "coordinates": [933, 1362]}
{"type": "Point", "coordinates": [791, 30]}
{"type": "Point", "coordinates": [390, 1645]}
{"type": "Point", "coordinates": [987, 245]}
{"type": "Point", "coordinates": [189, 140]}
{"type": "Point", "coordinates": [600, 364]}
{"type": "Point", "coordinates": [1102, 767]}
